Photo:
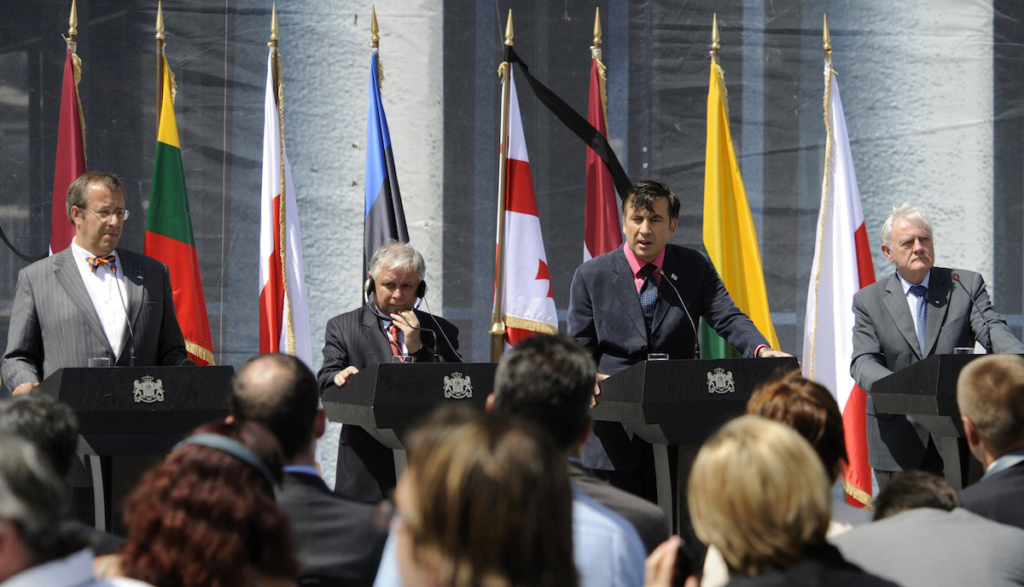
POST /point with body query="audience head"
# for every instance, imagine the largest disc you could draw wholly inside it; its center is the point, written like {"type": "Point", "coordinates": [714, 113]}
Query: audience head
{"type": "Point", "coordinates": [279, 392]}
{"type": "Point", "coordinates": [759, 494]}
{"type": "Point", "coordinates": [484, 501]}
{"type": "Point", "coordinates": [808, 408]}
{"type": "Point", "coordinates": [547, 380]}
{"type": "Point", "coordinates": [35, 522]}
{"type": "Point", "coordinates": [990, 394]}
{"type": "Point", "coordinates": [910, 490]}
{"type": "Point", "coordinates": [49, 425]}
{"type": "Point", "coordinates": [204, 516]}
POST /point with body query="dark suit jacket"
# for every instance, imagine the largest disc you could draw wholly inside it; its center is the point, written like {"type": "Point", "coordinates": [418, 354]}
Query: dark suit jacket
{"type": "Point", "coordinates": [338, 541]}
{"type": "Point", "coordinates": [646, 517]}
{"type": "Point", "coordinates": [54, 323]}
{"type": "Point", "coordinates": [884, 341]}
{"type": "Point", "coordinates": [822, 565]}
{"type": "Point", "coordinates": [366, 468]}
{"type": "Point", "coordinates": [999, 498]}
{"type": "Point", "coordinates": [605, 317]}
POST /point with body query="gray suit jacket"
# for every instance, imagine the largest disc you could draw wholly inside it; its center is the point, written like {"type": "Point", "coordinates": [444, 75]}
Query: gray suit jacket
{"type": "Point", "coordinates": [931, 547]}
{"type": "Point", "coordinates": [54, 323]}
{"type": "Point", "coordinates": [884, 341]}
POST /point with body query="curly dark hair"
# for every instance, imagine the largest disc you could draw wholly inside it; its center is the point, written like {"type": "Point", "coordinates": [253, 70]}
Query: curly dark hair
{"type": "Point", "coordinates": [202, 517]}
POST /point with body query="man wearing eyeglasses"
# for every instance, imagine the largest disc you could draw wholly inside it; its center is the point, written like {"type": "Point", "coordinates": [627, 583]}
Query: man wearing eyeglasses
{"type": "Point", "coordinates": [91, 300]}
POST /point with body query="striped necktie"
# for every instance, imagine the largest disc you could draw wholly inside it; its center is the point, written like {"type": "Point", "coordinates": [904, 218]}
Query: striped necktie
{"type": "Point", "coordinates": [921, 293]}
{"type": "Point", "coordinates": [648, 294]}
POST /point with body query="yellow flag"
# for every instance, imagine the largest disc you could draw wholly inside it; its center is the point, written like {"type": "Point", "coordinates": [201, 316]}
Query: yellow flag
{"type": "Point", "coordinates": [729, 236]}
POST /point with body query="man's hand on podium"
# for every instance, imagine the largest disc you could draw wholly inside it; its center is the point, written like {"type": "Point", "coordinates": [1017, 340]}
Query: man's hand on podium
{"type": "Point", "coordinates": [24, 388]}
{"type": "Point", "coordinates": [342, 376]}
{"type": "Point", "coordinates": [770, 353]}
{"type": "Point", "coordinates": [597, 389]}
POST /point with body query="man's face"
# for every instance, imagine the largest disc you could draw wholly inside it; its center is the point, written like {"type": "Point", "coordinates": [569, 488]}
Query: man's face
{"type": "Point", "coordinates": [395, 289]}
{"type": "Point", "coordinates": [912, 250]}
{"type": "Point", "coordinates": [648, 232]}
{"type": "Point", "coordinates": [92, 233]}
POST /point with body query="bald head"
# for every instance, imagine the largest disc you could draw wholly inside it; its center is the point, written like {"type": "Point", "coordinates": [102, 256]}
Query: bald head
{"type": "Point", "coordinates": [281, 393]}
{"type": "Point", "coordinates": [990, 394]}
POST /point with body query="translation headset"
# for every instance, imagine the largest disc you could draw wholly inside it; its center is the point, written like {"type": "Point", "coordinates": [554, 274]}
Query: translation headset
{"type": "Point", "coordinates": [370, 285]}
{"type": "Point", "coordinates": [235, 449]}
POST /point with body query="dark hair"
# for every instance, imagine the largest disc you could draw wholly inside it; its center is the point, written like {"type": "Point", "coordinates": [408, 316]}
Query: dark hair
{"type": "Point", "coordinates": [46, 423]}
{"type": "Point", "coordinates": [808, 408]}
{"type": "Point", "coordinates": [547, 380]}
{"type": "Point", "coordinates": [910, 490]}
{"type": "Point", "coordinates": [644, 193]}
{"type": "Point", "coordinates": [78, 190]}
{"type": "Point", "coordinates": [281, 393]}
{"type": "Point", "coordinates": [203, 517]}
{"type": "Point", "coordinates": [491, 503]}
{"type": "Point", "coordinates": [36, 500]}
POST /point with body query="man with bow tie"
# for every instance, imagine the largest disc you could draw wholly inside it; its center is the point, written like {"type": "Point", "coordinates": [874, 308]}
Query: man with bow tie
{"type": "Point", "coordinates": [91, 300]}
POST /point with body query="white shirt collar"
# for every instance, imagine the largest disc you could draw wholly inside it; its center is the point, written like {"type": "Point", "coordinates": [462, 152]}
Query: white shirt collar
{"type": "Point", "coordinates": [907, 285]}
{"type": "Point", "coordinates": [83, 255]}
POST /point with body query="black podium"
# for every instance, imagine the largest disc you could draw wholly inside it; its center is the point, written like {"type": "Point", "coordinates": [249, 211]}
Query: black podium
{"type": "Point", "coordinates": [681, 403]}
{"type": "Point", "coordinates": [388, 398]}
{"type": "Point", "coordinates": [926, 391]}
{"type": "Point", "coordinates": [131, 416]}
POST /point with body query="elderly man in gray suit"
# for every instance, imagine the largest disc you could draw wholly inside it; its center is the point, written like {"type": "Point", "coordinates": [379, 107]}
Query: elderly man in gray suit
{"type": "Point", "coordinates": [91, 300]}
{"type": "Point", "coordinates": [921, 310]}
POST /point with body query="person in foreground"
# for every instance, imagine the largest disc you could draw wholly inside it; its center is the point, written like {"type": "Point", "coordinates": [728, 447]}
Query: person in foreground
{"type": "Point", "coordinates": [484, 501]}
{"type": "Point", "coordinates": [990, 393]}
{"type": "Point", "coordinates": [921, 537]}
{"type": "Point", "coordinates": [206, 515]}
{"type": "Point", "coordinates": [338, 540]}
{"type": "Point", "coordinates": [91, 300]}
{"type": "Point", "coordinates": [920, 311]}
{"type": "Point", "coordinates": [387, 325]}
{"type": "Point", "coordinates": [760, 495]}
{"type": "Point", "coordinates": [549, 380]}
{"type": "Point", "coordinates": [40, 546]}
{"type": "Point", "coordinates": [648, 297]}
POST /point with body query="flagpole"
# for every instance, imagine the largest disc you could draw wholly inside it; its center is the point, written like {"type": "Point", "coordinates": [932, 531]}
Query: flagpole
{"type": "Point", "coordinates": [497, 330]}
{"type": "Point", "coordinates": [596, 48]}
{"type": "Point", "coordinates": [283, 228]}
{"type": "Point", "coordinates": [159, 62]}
{"type": "Point", "coordinates": [715, 46]}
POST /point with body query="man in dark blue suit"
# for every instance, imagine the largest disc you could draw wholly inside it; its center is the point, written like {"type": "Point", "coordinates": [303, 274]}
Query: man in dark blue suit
{"type": "Point", "coordinates": [622, 307]}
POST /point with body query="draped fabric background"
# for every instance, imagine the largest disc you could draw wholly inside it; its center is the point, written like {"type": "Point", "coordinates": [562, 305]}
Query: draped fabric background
{"type": "Point", "coordinates": [931, 88]}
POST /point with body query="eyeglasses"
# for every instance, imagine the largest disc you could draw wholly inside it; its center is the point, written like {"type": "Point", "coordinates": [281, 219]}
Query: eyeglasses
{"type": "Point", "coordinates": [105, 215]}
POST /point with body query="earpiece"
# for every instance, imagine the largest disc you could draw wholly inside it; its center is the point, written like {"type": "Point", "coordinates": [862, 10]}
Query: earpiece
{"type": "Point", "coordinates": [370, 285]}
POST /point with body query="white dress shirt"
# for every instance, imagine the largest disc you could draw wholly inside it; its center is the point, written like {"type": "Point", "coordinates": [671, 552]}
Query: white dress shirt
{"type": "Point", "coordinates": [108, 294]}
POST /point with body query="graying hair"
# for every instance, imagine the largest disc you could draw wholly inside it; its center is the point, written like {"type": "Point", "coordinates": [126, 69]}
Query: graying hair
{"type": "Point", "coordinates": [77, 191]}
{"type": "Point", "coordinates": [36, 499]}
{"type": "Point", "coordinates": [394, 255]}
{"type": "Point", "coordinates": [909, 212]}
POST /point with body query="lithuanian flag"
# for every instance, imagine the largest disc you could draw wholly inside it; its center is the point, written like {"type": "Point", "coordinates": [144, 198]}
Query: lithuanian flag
{"type": "Point", "coordinates": [169, 232]}
{"type": "Point", "coordinates": [729, 236]}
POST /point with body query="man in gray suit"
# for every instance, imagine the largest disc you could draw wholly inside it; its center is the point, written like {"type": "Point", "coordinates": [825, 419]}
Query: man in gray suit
{"type": "Point", "coordinates": [91, 300]}
{"type": "Point", "coordinates": [921, 310]}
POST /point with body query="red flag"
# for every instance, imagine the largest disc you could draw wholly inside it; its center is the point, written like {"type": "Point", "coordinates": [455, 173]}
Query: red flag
{"type": "Point", "coordinates": [70, 155]}
{"type": "Point", "coordinates": [602, 232]}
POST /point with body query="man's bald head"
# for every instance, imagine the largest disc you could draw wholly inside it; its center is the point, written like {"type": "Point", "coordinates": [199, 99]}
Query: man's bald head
{"type": "Point", "coordinates": [281, 393]}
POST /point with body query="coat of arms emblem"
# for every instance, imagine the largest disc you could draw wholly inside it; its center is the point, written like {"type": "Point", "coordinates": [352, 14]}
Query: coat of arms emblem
{"type": "Point", "coordinates": [148, 391]}
{"type": "Point", "coordinates": [458, 386]}
{"type": "Point", "coordinates": [720, 381]}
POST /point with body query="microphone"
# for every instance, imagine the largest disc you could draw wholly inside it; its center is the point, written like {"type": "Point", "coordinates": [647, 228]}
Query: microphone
{"type": "Point", "coordinates": [974, 306]}
{"type": "Point", "coordinates": [451, 347]}
{"type": "Point", "coordinates": [127, 321]}
{"type": "Point", "coordinates": [373, 308]}
{"type": "Point", "coordinates": [693, 326]}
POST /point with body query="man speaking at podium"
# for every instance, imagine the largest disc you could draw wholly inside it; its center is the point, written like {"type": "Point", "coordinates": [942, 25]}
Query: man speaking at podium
{"type": "Point", "coordinates": [920, 311]}
{"type": "Point", "coordinates": [385, 326]}
{"type": "Point", "coordinates": [91, 300]}
{"type": "Point", "coordinates": [648, 297]}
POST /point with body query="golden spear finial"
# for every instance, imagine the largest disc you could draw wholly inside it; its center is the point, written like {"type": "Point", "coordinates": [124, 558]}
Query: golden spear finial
{"type": "Point", "coordinates": [715, 46]}
{"type": "Point", "coordinates": [826, 39]}
{"type": "Point", "coordinates": [508, 29]}
{"type": "Point", "coordinates": [374, 29]}
{"type": "Point", "coordinates": [597, 27]}
{"type": "Point", "coordinates": [159, 21]}
{"type": "Point", "coordinates": [273, 26]}
{"type": "Point", "coordinates": [73, 22]}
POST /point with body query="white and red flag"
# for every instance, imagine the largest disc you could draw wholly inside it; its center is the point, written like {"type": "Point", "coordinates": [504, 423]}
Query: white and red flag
{"type": "Point", "coordinates": [842, 265]}
{"type": "Point", "coordinates": [284, 317]}
{"type": "Point", "coordinates": [528, 306]}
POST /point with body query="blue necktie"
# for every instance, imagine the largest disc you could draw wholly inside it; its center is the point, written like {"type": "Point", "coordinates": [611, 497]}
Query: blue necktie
{"type": "Point", "coordinates": [648, 294]}
{"type": "Point", "coordinates": [921, 292]}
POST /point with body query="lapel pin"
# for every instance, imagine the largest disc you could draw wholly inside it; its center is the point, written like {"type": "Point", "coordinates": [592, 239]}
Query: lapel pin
{"type": "Point", "coordinates": [674, 278]}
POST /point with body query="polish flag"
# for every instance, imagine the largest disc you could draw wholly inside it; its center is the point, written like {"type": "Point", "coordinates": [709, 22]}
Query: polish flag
{"type": "Point", "coordinates": [842, 265]}
{"type": "Point", "coordinates": [284, 317]}
{"type": "Point", "coordinates": [528, 306]}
